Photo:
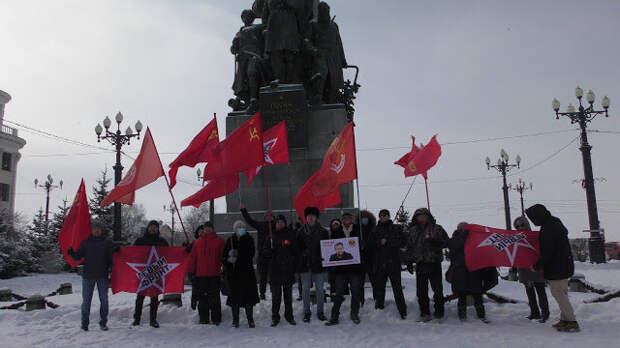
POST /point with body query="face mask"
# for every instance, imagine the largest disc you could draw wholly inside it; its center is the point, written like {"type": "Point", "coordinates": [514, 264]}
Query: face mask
{"type": "Point", "coordinates": [347, 224]}
{"type": "Point", "coordinates": [241, 232]}
{"type": "Point", "coordinates": [365, 221]}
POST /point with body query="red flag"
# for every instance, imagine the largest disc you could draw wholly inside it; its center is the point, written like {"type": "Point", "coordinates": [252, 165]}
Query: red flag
{"type": "Point", "coordinates": [240, 151]}
{"type": "Point", "coordinates": [339, 166]}
{"type": "Point", "coordinates": [198, 151]}
{"type": "Point", "coordinates": [275, 147]}
{"type": "Point", "coordinates": [420, 160]}
{"type": "Point", "coordinates": [76, 227]}
{"type": "Point", "coordinates": [145, 169]}
{"type": "Point", "coordinates": [492, 247]}
{"type": "Point", "coordinates": [215, 188]}
{"type": "Point", "coordinates": [149, 270]}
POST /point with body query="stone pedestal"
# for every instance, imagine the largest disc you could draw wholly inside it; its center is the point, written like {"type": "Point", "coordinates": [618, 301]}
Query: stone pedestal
{"type": "Point", "coordinates": [35, 302]}
{"type": "Point", "coordinates": [577, 283]}
{"type": "Point", "coordinates": [6, 295]}
{"type": "Point", "coordinates": [310, 133]}
{"type": "Point", "coordinates": [65, 289]}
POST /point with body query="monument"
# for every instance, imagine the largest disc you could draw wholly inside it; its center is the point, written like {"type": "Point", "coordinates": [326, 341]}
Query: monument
{"type": "Point", "coordinates": [290, 67]}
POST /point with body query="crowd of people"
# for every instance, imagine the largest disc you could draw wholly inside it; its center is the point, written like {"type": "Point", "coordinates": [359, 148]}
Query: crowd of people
{"type": "Point", "coordinates": [285, 251]}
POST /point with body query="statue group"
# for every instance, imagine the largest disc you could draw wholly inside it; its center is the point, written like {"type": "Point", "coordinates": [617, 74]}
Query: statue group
{"type": "Point", "coordinates": [297, 42]}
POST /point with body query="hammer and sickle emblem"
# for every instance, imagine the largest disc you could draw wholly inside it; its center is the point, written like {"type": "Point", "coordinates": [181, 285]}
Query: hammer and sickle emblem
{"type": "Point", "coordinates": [254, 134]}
{"type": "Point", "coordinates": [411, 166]}
{"type": "Point", "coordinates": [213, 135]}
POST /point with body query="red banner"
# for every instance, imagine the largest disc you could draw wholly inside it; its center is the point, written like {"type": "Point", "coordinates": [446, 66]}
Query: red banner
{"type": "Point", "coordinates": [420, 159]}
{"type": "Point", "coordinates": [275, 146]}
{"type": "Point", "coordinates": [492, 247]}
{"type": "Point", "coordinates": [148, 270]}
{"type": "Point", "coordinates": [213, 189]}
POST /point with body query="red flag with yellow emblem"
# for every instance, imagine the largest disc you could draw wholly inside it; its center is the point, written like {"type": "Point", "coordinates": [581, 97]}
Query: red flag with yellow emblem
{"type": "Point", "coordinates": [240, 151]}
{"type": "Point", "coordinates": [199, 150]}
{"type": "Point", "coordinates": [76, 226]}
{"type": "Point", "coordinates": [339, 166]}
{"type": "Point", "coordinates": [420, 160]}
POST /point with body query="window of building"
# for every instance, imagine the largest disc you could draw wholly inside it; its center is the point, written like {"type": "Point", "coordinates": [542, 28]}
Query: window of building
{"type": "Point", "coordinates": [6, 161]}
{"type": "Point", "coordinates": [4, 192]}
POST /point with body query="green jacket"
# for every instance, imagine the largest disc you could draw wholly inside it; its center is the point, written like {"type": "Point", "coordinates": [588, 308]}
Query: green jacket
{"type": "Point", "coordinates": [426, 244]}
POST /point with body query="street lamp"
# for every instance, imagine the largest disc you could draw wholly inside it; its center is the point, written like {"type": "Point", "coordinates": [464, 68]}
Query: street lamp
{"type": "Point", "coordinates": [211, 202]}
{"type": "Point", "coordinates": [118, 139]}
{"type": "Point", "coordinates": [521, 187]}
{"type": "Point", "coordinates": [503, 166]}
{"type": "Point", "coordinates": [584, 115]}
{"type": "Point", "coordinates": [171, 209]}
{"type": "Point", "coordinates": [48, 186]}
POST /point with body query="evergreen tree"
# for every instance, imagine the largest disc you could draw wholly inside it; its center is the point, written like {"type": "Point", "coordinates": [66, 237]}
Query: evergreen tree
{"type": "Point", "coordinates": [38, 223]}
{"type": "Point", "coordinates": [104, 215]}
{"type": "Point", "coordinates": [58, 219]}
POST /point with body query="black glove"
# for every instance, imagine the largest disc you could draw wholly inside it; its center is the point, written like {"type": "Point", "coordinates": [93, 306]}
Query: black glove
{"type": "Point", "coordinates": [410, 267]}
{"type": "Point", "coordinates": [191, 276]}
{"type": "Point", "coordinates": [188, 249]}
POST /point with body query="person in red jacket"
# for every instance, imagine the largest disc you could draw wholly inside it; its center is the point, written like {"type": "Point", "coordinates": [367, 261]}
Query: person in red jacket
{"type": "Point", "coordinates": [205, 264]}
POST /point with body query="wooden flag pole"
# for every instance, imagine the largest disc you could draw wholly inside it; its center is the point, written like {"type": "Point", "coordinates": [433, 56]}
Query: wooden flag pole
{"type": "Point", "coordinates": [428, 202]}
{"type": "Point", "coordinates": [174, 201]}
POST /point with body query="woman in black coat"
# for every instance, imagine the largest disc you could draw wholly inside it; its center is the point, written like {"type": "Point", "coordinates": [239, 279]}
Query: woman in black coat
{"type": "Point", "coordinates": [464, 282]}
{"type": "Point", "coordinates": [238, 262]}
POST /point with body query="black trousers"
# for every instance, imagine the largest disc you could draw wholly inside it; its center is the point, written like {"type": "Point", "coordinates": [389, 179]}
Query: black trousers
{"type": "Point", "coordinates": [140, 302]}
{"type": "Point", "coordinates": [462, 304]}
{"type": "Point", "coordinates": [342, 280]}
{"type": "Point", "coordinates": [209, 305]}
{"type": "Point", "coordinates": [279, 288]}
{"type": "Point", "coordinates": [531, 290]}
{"type": "Point", "coordinates": [381, 277]}
{"type": "Point", "coordinates": [248, 313]}
{"type": "Point", "coordinates": [430, 273]}
{"type": "Point", "coordinates": [263, 267]}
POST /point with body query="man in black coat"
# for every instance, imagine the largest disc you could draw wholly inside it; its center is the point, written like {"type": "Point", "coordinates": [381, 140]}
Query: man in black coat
{"type": "Point", "coordinates": [309, 237]}
{"type": "Point", "coordinates": [97, 252]}
{"type": "Point", "coordinates": [150, 238]}
{"type": "Point", "coordinates": [386, 242]}
{"type": "Point", "coordinates": [284, 253]}
{"type": "Point", "coordinates": [556, 261]}
{"type": "Point", "coordinates": [262, 233]}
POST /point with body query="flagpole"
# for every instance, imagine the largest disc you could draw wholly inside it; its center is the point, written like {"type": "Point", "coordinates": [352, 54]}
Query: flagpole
{"type": "Point", "coordinates": [428, 202]}
{"type": "Point", "coordinates": [174, 201]}
{"type": "Point", "coordinates": [268, 206]}
{"type": "Point", "coordinates": [402, 204]}
{"type": "Point", "coordinates": [357, 184]}
{"type": "Point", "coordinates": [290, 193]}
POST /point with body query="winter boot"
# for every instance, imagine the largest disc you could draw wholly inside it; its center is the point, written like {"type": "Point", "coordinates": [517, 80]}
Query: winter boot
{"type": "Point", "coordinates": [235, 315]}
{"type": "Point", "coordinates": [569, 326]}
{"type": "Point", "coordinates": [84, 328]}
{"type": "Point", "coordinates": [249, 313]}
{"type": "Point", "coordinates": [321, 317]}
{"type": "Point", "coordinates": [291, 321]}
{"type": "Point", "coordinates": [333, 321]}
{"type": "Point", "coordinates": [154, 324]}
{"type": "Point", "coordinates": [424, 318]}
{"type": "Point", "coordinates": [275, 322]}
{"type": "Point", "coordinates": [533, 316]}
{"type": "Point", "coordinates": [462, 313]}
{"type": "Point", "coordinates": [559, 324]}
{"type": "Point", "coordinates": [355, 319]}
{"type": "Point", "coordinates": [103, 327]}
{"type": "Point", "coordinates": [307, 317]}
{"type": "Point", "coordinates": [136, 322]}
{"type": "Point", "coordinates": [544, 318]}
{"type": "Point", "coordinates": [480, 312]}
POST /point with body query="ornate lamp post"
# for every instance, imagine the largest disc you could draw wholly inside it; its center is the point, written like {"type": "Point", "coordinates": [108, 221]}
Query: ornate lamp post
{"type": "Point", "coordinates": [211, 202]}
{"type": "Point", "coordinates": [503, 167]}
{"type": "Point", "coordinates": [521, 187]}
{"type": "Point", "coordinates": [584, 115]}
{"type": "Point", "coordinates": [48, 186]}
{"type": "Point", "coordinates": [118, 139]}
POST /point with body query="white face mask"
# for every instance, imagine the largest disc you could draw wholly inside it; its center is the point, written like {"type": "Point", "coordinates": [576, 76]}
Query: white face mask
{"type": "Point", "coordinates": [241, 232]}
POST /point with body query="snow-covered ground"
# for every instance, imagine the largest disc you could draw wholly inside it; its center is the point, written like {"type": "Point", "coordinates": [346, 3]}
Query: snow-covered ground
{"type": "Point", "coordinates": [59, 327]}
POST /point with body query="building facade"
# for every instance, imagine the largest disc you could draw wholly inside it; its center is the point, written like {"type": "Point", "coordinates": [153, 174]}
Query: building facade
{"type": "Point", "coordinates": [10, 144]}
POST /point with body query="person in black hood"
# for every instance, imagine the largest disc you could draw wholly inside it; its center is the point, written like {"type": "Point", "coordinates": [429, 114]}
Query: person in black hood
{"type": "Point", "coordinates": [150, 238]}
{"type": "Point", "coordinates": [425, 247]}
{"type": "Point", "coordinates": [556, 261]}
{"type": "Point", "coordinates": [343, 277]}
{"type": "Point", "coordinates": [97, 252]}
{"type": "Point", "coordinates": [263, 262]}
{"type": "Point", "coordinates": [284, 252]}
{"type": "Point", "coordinates": [367, 225]}
{"type": "Point", "coordinates": [385, 243]}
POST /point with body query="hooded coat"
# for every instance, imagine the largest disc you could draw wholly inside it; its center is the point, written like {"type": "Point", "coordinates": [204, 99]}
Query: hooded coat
{"type": "Point", "coordinates": [365, 250]}
{"type": "Point", "coordinates": [426, 243]}
{"type": "Point", "coordinates": [464, 281]}
{"type": "Point", "coordinates": [241, 276]}
{"type": "Point", "coordinates": [150, 239]}
{"type": "Point", "coordinates": [386, 257]}
{"type": "Point", "coordinates": [556, 257]}
{"type": "Point", "coordinates": [97, 253]}
{"type": "Point", "coordinates": [284, 254]}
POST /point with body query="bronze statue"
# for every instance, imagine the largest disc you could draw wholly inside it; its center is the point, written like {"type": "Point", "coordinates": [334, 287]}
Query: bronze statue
{"type": "Point", "coordinates": [329, 59]}
{"type": "Point", "coordinates": [248, 47]}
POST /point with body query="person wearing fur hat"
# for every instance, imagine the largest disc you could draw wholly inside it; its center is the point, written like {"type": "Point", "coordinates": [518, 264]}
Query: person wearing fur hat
{"type": "Point", "coordinates": [425, 247]}
{"type": "Point", "coordinates": [386, 241]}
{"type": "Point", "coordinates": [151, 237]}
{"type": "Point", "coordinates": [283, 251]}
{"type": "Point", "coordinates": [309, 237]}
{"type": "Point", "coordinates": [262, 233]}
{"type": "Point", "coordinates": [238, 259]}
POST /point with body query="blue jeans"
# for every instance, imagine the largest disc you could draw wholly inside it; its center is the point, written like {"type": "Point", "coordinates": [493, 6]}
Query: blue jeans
{"type": "Point", "coordinates": [88, 287]}
{"type": "Point", "coordinates": [306, 280]}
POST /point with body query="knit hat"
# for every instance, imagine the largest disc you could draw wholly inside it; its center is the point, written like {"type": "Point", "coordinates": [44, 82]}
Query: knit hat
{"type": "Point", "coordinates": [311, 211]}
{"type": "Point", "coordinates": [384, 212]}
{"type": "Point", "coordinates": [152, 223]}
{"type": "Point", "coordinates": [281, 218]}
{"type": "Point", "coordinates": [238, 224]}
{"type": "Point", "coordinates": [208, 224]}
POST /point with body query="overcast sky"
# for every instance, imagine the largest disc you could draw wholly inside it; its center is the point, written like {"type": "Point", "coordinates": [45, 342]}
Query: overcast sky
{"type": "Point", "coordinates": [465, 70]}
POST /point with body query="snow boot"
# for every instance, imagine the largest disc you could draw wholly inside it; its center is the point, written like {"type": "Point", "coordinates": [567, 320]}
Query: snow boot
{"type": "Point", "coordinates": [136, 322]}
{"type": "Point", "coordinates": [332, 322]}
{"type": "Point", "coordinates": [249, 313]}
{"type": "Point", "coordinates": [103, 327]}
{"type": "Point", "coordinates": [355, 319]}
{"type": "Point", "coordinates": [235, 315]}
{"type": "Point", "coordinates": [291, 321]}
{"type": "Point", "coordinates": [84, 328]}
{"type": "Point", "coordinates": [462, 313]}
{"type": "Point", "coordinates": [307, 317]}
{"type": "Point", "coordinates": [424, 318]}
{"type": "Point", "coordinates": [559, 324]}
{"type": "Point", "coordinates": [154, 324]}
{"type": "Point", "coordinates": [321, 317]}
{"type": "Point", "coordinates": [569, 326]}
{"type": "Point", "coordinates": [533, 316]}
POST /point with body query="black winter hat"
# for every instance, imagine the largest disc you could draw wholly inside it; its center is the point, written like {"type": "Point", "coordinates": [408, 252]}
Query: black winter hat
{"type": "Point", "coordinates": [311, 211]}
{"type": "Point", "coordinates": [384, 211]}
{"type": "Point", "coordinates": [152, 223]}
{"type": "Point", "coordinates": [281, 218]}
{"type": "Point", "coordinates": [208, 224]}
